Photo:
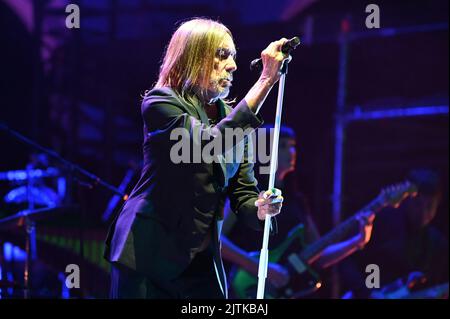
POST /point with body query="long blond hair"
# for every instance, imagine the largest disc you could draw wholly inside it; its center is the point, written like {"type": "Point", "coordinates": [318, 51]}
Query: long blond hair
{"type": "Point", "coordinates": [189, 58]}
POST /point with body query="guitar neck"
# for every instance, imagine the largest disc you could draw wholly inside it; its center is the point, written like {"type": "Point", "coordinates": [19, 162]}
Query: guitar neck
{"type": "Point", "coordinates": [339, 231]}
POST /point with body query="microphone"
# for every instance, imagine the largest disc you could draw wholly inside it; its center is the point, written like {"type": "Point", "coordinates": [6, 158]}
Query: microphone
{"type": "Point", "coordinates": [286, 48]}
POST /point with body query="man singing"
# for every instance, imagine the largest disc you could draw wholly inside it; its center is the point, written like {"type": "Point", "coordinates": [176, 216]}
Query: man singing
{"type": "Point", "coordinates": [165, 241]}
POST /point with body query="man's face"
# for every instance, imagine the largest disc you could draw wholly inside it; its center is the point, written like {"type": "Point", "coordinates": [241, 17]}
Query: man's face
{"type": "Point", "coordinates": [287, 155]}
{"type": "Point", "coordinates": [222, 74]}
{"type": "Point", "coordinates": [422, 209]}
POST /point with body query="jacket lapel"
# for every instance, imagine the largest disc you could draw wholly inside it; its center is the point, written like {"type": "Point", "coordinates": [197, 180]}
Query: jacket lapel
{"type": "Point", "coordinates": [200, 111]}
{"type": "Point", "coordinates": [196, 109]}
{"type": "Point", "coordinates": [223, 111]}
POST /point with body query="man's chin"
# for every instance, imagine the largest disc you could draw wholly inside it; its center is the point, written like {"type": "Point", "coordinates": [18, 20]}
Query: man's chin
{"type": "Point", "coordinates": [220, 93]}
{"type": "Point", "coordinates": [223, 94]}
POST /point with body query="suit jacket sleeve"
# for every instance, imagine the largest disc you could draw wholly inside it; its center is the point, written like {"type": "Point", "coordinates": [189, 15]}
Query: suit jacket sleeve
{"type": "Point", "coordinates": [243, 192]}
{"type": "Point", "coordinates": [163, 112]}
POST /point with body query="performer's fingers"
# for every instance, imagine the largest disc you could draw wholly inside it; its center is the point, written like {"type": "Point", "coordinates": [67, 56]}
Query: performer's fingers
{"type": "Point", "coordinates": [276, 200]}
{"type": "Point", "coordinates": [278, 44]}
{"type": "Point", "coordinates": [260, 202]}
{"type": "Point", "coordinates": [275, 208]}
{"type": "Point", "coordinates": [269, 201]}
{"type": "Point", "coordinates": [274, 192]}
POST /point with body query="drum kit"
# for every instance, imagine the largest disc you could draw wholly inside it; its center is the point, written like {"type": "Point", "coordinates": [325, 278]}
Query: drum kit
{"type": "Point", "coordinates": [42, 202]}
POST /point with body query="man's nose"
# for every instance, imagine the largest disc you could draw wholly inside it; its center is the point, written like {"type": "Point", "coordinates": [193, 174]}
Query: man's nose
{"type": "Point", "coordinates": [231, 65]}
{"type": "Point", "coordinates": [293, 151]}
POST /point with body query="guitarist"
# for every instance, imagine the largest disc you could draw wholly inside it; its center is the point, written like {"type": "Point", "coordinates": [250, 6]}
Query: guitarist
{"type": "Point", "coordinates": [404, 241]}
{"type": "Point", "coordinates": [295, 211]}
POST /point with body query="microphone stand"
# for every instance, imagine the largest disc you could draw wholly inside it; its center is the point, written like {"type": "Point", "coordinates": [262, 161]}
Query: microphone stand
{"type": "Point", "coordinates": [30, 240]}
{"type": "Point", "coordinates": [264, 256]}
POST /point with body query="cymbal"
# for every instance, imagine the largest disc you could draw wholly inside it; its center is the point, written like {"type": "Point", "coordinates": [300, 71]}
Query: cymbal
{"type": "Point", "coordinates": [39, 195]}
{"type": "Point", "coordinates": [19, 219]}
{"type": "Point", "coordinates": [24, 175]}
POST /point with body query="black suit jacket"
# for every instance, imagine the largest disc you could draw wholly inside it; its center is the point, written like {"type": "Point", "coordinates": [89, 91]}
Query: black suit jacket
{"type": "Point", "coordinates": [174, 205]}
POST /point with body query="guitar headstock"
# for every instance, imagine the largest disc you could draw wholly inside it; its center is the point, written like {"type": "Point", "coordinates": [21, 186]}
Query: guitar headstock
{"type": "Point", "coordinates": [393, 195]}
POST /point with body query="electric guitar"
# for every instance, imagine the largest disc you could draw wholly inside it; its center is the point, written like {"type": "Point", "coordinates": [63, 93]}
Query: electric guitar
{"type": "Point", "coordinates": [303, 279]}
